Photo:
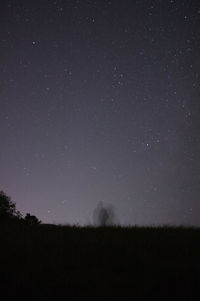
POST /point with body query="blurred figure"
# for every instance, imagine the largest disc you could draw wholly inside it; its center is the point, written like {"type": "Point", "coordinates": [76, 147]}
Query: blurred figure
{"type": "Point", "coordinates": [104, 215]}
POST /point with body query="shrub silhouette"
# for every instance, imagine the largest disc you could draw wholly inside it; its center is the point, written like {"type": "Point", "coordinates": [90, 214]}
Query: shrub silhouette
{"type": "Point", "coordinates": [8, 208]}
{"type": "Point", "coordinates": [32, 219]}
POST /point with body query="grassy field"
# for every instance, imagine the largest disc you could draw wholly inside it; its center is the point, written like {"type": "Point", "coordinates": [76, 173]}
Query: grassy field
{"type": "Point", "coordinates": [48, 262]}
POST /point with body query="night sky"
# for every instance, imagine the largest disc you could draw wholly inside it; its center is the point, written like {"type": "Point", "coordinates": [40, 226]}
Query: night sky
{"type": "Point", "coordinates": [100, 101]}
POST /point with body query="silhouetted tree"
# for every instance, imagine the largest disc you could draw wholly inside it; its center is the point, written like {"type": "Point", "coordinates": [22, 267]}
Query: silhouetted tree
{"type": "Point", "coordinates": [32, 219]}
{"type": "Point", "coordinates": [8, 208]}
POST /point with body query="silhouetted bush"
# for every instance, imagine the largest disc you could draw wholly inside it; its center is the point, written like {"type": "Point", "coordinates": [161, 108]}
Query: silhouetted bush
{"type": "Point", "coordinates": [32, 219]}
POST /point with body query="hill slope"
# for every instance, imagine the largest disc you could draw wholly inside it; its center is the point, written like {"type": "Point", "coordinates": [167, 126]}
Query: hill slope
{"type": "Point", "coordinates": [49, 262]}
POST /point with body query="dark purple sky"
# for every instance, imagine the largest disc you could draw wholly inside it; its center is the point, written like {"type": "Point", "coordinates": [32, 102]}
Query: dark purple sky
{"type": "Point", "coordinates": [100, 100]}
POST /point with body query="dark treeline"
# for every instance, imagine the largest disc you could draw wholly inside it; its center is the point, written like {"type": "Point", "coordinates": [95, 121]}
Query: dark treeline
{"type": "Point", "coordinates": [8, 211]}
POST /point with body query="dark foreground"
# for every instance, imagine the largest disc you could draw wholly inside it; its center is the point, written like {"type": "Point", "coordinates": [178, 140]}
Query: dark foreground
{"type": "Point", "coordinates": [68, 263]}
